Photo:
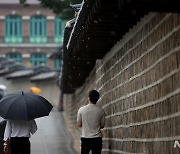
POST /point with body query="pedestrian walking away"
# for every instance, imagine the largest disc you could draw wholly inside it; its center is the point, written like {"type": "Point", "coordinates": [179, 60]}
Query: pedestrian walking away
{"type": "Point", "coordinates": [17, 134]}
{"type": "Point", "coordinates": [20, 109]}
{"type": "Point", "coordinates": [91, 118]}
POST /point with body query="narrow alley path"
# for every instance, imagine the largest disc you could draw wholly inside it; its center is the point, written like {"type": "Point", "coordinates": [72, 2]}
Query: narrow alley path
{"type": "Point", "coordinates": [52, 136]}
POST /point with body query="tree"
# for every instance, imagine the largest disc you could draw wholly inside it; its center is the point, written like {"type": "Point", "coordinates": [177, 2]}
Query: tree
{"type": "Point", "coordinates": [61, 8]}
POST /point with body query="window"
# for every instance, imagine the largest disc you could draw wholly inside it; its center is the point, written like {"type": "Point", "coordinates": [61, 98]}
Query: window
{"type": "Point", "coordinates": [14, 56]}
{"type": "Point", "coordinates": [38, 59]}
{"type": "Point", "coordinates": [13, 29]}
{"type": "Point", "coordinates": [57, 63]}
{"type": "Point", "coordinates": [58, 30]}
{"type": "Point", "coordinates": [38, 29]}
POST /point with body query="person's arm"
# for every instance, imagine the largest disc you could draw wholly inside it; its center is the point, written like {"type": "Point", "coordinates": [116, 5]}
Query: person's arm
{"type": "Point", "coordinates": [79, 119]}
{"type": "Point", "coordinates": [79, 123]}
{"type": "Point", "coordinates": [7, 135]}
{"type": "Point", "coordinates": [102, 123]}
{"type": "Point", "coordinates": [6, 148]}
{"type": "Point", "coordinates": [33, 127]}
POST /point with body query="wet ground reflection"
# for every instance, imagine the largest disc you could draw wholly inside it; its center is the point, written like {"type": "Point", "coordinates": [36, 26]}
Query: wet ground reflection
{"type": "Point", "coordinates": [52, 136]}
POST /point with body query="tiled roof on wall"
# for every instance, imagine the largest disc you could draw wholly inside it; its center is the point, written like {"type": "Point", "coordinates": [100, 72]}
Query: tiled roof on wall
{"type": "Point", "coordinates": [99, 25]}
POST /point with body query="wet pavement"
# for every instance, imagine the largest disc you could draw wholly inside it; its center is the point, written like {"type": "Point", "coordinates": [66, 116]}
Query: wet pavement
{"type": "Point", "coordinates": [52, 136]}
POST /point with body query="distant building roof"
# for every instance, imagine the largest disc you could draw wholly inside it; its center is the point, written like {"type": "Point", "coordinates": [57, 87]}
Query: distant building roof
{"type": "Point", "coordinates": [12, 68]}
{"type": "Point", "coordinates": [40, 69]}
{"type": "Point", "coordinates": [44, 76]}
{"type": "Point", "coordinates": [76, 7]}
{"type": "Point", "coordinates": [42, 73]}
{"type": "Point", "coordinates": [56, 54]}
{"type": "Point", "coordinates": [20, 74]}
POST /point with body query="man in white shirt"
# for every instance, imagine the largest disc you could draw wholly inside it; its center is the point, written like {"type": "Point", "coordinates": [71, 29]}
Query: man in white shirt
{"type": "Point", "coordinates": [92, 119]}
{"type": "Point", "coordinates": [18, 133]}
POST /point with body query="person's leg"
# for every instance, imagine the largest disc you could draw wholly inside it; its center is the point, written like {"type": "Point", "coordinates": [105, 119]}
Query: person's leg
{"type": "Point", "coordinates": [25, 143]}
{"type": "Point", "coordinates": [85, 148]}
{"type": "Point", "coordinates": [14, 145]}
{"type": "Point", "coordinates": [97, 142]}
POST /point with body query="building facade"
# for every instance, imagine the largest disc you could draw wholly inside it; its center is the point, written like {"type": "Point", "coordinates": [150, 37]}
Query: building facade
{"type": "Point", "coordinates": [30, 34]}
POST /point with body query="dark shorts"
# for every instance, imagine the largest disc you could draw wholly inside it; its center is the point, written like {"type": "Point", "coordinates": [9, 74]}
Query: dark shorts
{"type": "Point", "coordinates": [20, 145]}
{"type": "Point", "coordinates": [91, 144]}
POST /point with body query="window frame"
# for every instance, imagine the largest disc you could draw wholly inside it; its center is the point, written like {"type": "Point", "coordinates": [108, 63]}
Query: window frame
{"type": "Point", "coordinates": [15, 56]}
{"type": "Point", "coordinates": [38, 29]}
{"type": "Point", "coordinates": [58, 30]}
{"type": "Point", "coordinates": [38, 58]}
{"type": "Point", "coordinates": [13, 33]}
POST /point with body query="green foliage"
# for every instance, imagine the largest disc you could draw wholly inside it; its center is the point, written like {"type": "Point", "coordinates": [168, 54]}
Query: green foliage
{"type": "Point", "coordinates": [22, 1]}
{"type": "Point", "coordinates": [60, 7]}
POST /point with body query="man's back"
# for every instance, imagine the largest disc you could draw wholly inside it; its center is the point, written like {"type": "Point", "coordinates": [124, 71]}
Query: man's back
{"type": "Point", "coordinates": [92, 118]}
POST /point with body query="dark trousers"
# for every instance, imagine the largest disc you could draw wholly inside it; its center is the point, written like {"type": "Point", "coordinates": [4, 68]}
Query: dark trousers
{"type": "Point", "coordinates": [20, 145]}
{"type": "Point", "coordinates": [91, 144]}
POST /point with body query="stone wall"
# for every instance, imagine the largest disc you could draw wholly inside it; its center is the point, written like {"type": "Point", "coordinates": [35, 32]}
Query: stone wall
{"type": "Point", "coordinates": [139, 83]}
{"type": "Point", "coordinates": [72, 104]}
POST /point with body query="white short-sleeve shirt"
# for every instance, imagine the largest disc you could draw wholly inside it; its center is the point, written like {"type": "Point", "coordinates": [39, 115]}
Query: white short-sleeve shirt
{"type": "Point", "coordinates": [91, 116]}
{"type": "Point", "coordinates": [19, 128]}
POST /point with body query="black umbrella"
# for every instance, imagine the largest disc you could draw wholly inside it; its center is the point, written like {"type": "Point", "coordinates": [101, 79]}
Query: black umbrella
{"type": "Point", "coordinates": [24, 106]}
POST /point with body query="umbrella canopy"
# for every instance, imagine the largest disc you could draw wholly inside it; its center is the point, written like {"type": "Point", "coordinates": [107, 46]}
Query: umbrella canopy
{"type": "Point", "coordinates": [3, 87]}
{"type": "Point", "coordinates": [35, 90]}
{"type": "Point", "coordinates": [24, 106]}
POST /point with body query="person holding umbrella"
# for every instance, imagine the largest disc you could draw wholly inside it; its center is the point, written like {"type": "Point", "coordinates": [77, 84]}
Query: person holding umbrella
{"type": "Point", "coordinates": [20, 109]}
{"type": "Point", "coordinates": [18, 133]}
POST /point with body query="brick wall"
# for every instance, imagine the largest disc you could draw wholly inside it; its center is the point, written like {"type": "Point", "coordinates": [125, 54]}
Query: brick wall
{"type": "Point", "coordinates": [139, 83]}
{"type": "Point", "coordinates": [26, 28]}
{"type": "Point", "coordinates": [21, 10]}
{"type": "Point", "coordinates": [72, 104]}
{"type": "Point", "coordinates": [50, 28]}
{"type": "Point", "coordinates": [1, 28]}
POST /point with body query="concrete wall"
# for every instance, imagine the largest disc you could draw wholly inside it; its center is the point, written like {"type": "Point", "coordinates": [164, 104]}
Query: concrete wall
{"type": "Point", "coordinates": [139, 83]}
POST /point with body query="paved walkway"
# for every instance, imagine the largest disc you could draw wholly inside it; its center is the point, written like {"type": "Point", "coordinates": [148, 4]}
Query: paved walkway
{"type": "Point", "coordinates": [52, 136]}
